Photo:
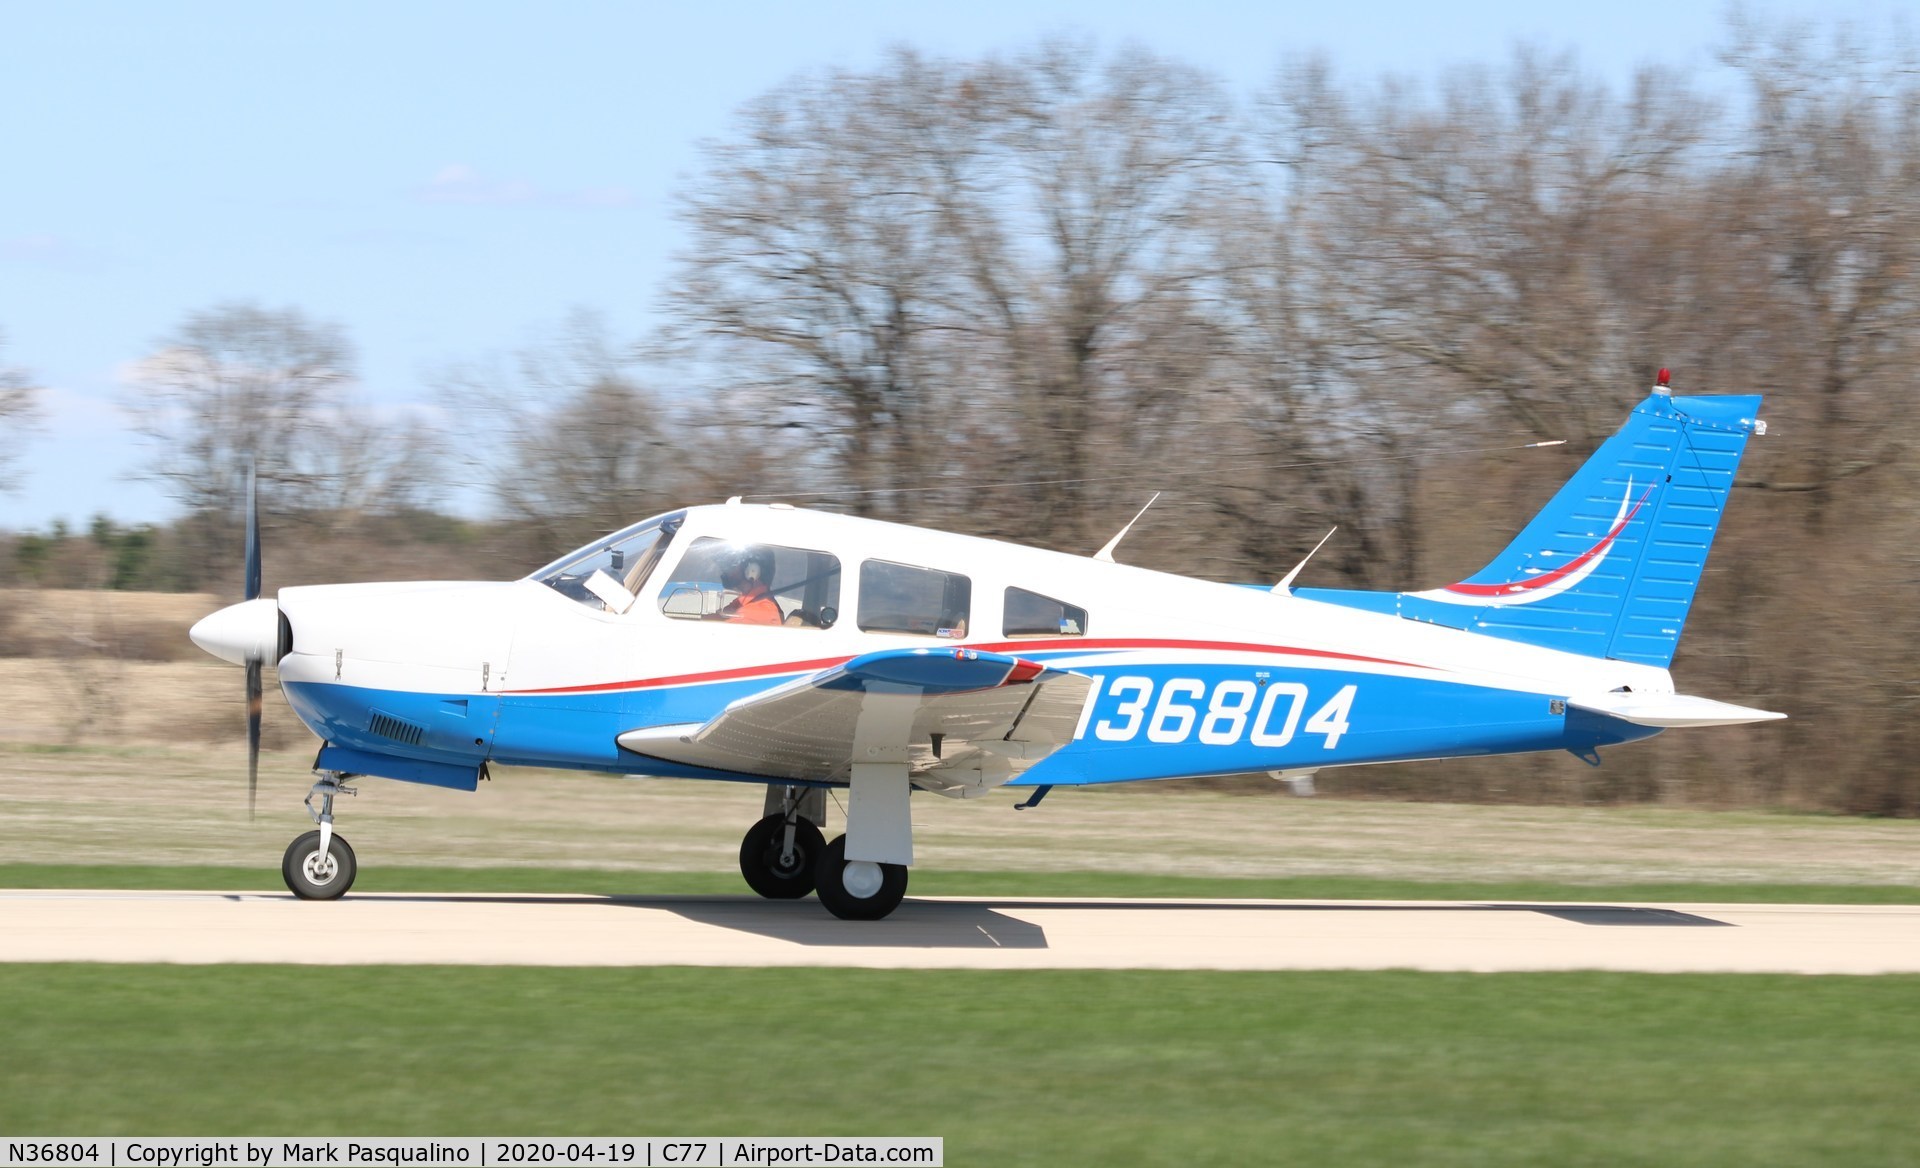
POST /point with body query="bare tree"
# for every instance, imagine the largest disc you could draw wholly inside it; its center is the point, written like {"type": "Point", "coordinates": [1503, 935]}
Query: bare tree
{"type": "Point", "coordinates": [18, 414]}
{"type": "Point", "coordinates": [1318, 421]}
{"type": "Point", "coordinates": [1081, 239]}
{"type": "Point", "coordinates": [884, 257]}
{"type": "Point", "coordinates": [1469, 232]}
{"type": "Point", "coordinates": [1828, 197]}
{"type": "Point", "coordinates": [816, 265]}
{"type": "Point", "coordinates": [1822, 207]}
{"type": "Point", "coordinates": [239, 385]}
{"type": "Point", "coordinates": [564, 437]}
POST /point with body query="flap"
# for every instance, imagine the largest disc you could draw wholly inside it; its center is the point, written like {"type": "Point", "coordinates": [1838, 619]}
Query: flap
{"type": "Point", "coordinates": [961, 718]}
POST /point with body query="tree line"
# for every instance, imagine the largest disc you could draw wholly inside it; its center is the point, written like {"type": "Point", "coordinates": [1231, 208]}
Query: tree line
{"type": "Point", "coordinates": [1014, 295]}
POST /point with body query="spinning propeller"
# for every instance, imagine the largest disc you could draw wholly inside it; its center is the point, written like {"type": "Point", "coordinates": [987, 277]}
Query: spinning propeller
{"type": "Point", "coordinates": [249, 633]}
{"type": "Point", "coordinates": [253, 661]}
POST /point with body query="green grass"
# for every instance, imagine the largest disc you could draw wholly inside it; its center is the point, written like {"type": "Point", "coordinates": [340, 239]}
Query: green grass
{"type": "Point", "coordinates": [945, 883]}
{"type": "Point", "coordinates": [1041, 1067]}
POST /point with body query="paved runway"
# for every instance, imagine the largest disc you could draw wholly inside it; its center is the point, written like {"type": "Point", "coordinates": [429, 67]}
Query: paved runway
{"type": "Point", "coordinates": [982, 933]}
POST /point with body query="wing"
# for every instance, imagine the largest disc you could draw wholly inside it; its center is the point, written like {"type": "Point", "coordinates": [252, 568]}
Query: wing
{"type": "Point", "coordinates": [963, 720]}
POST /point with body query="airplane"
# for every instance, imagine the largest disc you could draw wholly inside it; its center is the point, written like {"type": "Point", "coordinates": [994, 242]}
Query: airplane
{"type": "Point", "coordinates": [809, 651]}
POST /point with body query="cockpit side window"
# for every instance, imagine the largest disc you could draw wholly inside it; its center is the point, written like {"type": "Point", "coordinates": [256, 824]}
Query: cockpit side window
{"type": "Point", "coordinates": [1029, 614]}
{"type": "Point", "coordinates": [754, 584]}
{"type": "Point", "coordinates": [609, 573]}
{"type": "Point", "coordinates": [902, 598]}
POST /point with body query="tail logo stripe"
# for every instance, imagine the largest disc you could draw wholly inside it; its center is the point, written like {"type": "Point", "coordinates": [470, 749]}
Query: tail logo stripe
{"type": "Point", "coordinates": [1550, 583]}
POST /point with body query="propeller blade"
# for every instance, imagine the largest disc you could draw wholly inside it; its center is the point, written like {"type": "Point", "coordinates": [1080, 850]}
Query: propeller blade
{"type": "Point", "coordinates": [253, 733]}
{"type": "Point", "coordinates": [253, 538]}
{"type": "Point", "coordinates": [253, 663]}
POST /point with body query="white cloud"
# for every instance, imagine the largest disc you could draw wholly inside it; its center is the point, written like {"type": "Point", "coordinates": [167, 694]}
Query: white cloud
{"type": "Point", "coordinates": [49, 251]}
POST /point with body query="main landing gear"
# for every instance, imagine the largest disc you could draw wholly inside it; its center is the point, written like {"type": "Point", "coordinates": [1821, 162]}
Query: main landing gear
{"type": "Point", "coordinates": [778, 856]}
{"type": "Point", "coordinates": [780, 852]}
{"type": "Point", "coordinates": [319, 865]}
{"type": "Point", "coordinates": [858, 890]}
{"type": "Point", "coordinates": [785, 856]}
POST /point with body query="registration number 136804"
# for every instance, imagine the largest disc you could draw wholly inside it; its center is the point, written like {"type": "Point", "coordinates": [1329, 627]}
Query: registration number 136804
{"type": "Point", "coordinates": [1185, 709]}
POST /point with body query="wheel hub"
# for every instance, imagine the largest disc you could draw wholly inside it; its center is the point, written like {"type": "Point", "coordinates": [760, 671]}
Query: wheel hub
{"type": "Point", "coordinates": [862, 878]}
{"type": "Point", "coordinates": [320, 867]}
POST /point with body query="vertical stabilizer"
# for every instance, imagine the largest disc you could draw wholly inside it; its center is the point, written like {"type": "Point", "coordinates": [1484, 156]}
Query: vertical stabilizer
{"type": "Point", "coordinates": [1610, 566]}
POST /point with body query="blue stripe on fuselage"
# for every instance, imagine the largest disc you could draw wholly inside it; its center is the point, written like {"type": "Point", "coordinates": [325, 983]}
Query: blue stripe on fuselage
{"type": "Point", "coordinates": [1148, 721]}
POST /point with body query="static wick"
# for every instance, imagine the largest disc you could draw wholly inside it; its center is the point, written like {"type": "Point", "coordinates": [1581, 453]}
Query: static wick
{"type": "Point", "coordinates": [1538, 445]}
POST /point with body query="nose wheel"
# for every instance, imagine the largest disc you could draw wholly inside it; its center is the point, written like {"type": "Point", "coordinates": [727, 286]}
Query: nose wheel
{"type": "Point", "coordinates": [320, 865]}
{"type": "Point", "coordinates": [316, 870]}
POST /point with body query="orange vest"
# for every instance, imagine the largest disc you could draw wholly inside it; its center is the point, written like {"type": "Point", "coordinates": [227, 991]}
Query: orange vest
{"type": "Point", "coordinates": [753, 608]}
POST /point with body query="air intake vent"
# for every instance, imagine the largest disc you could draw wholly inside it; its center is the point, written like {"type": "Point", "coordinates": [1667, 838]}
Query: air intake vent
{"type": "Point", "coordinates": [400, 730]}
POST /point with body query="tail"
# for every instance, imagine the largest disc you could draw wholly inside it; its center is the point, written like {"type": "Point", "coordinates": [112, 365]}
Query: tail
{"type": "Point", "coordinates": [1610, 566]}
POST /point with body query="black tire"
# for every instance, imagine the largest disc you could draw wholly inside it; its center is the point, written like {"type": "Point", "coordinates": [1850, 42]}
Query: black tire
{"type": "Point", "coordinates": [760, 858]}
{"type": "Point", "coordinates": [829, 880]}
{"type": "Point", "coordinates": [301, 868]}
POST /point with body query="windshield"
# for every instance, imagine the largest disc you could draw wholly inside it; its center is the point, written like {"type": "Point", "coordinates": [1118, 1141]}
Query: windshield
{"type": "Point", "coordinates": [609, 572]}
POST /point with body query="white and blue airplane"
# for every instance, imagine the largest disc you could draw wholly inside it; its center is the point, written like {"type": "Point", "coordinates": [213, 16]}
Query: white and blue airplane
{"type": "Point", "coordinates": [804, 651]}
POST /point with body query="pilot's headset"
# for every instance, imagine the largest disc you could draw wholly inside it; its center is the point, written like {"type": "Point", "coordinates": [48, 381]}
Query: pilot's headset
{"type": "Point", "coordinates": [760, 567]}
{"type": "Point", "coordinates": [748, 567]}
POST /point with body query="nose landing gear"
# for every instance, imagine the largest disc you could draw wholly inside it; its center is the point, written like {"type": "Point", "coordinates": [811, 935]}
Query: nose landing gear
{"type": "Point", "coordinates": [320, 865]}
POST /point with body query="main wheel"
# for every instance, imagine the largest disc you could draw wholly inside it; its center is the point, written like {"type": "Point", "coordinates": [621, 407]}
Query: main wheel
{"type": "Point", "coordinates": [313, 875]}
{"type": "Point", "coordinates": [760, 858]}
{"type": "Point", "coordinates": [858, 890]}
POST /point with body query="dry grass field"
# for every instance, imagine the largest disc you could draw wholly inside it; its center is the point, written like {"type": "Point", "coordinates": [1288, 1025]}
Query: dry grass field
{"type": "Point", "coordinates": [186, 804]}
{"type": "Point", "coordinates": [95, 622]}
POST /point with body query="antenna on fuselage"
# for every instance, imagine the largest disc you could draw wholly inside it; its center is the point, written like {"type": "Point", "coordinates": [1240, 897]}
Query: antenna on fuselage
{"type": "Point", "coordinates": [1286, 582]}
{"type": "Point", "coordinates": [1106, 553]}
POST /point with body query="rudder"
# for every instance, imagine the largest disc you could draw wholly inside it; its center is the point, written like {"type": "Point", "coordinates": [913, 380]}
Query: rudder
{"type": "Point", "coordinates": [1702, 448]}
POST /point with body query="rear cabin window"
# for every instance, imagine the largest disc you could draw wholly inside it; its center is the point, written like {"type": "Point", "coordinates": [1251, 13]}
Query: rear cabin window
{"type": "Point", "coordinates": [754, 584]}
{"type": "Point", "coordinates": [1029, 614]}
{"type": "Point", "coordinates": [900, 598]}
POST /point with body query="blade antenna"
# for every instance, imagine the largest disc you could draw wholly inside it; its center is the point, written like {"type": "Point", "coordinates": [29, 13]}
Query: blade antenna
{"type": "Point", "coordinates": [1286, 582]}
{"type": "Point", "coordinates": [1106, 553]}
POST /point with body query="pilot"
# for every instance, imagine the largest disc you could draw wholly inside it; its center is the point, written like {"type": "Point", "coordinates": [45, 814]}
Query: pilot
{"type": "Point", "coordinates": [749, 574]}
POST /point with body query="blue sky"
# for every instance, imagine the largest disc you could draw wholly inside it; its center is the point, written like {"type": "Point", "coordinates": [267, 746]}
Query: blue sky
{"type": "Point", "coordinates": [446, 180]}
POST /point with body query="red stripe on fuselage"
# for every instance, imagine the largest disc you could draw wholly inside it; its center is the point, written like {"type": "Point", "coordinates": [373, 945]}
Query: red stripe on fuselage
{"type": "Point", "coordinates": [1015, 647]}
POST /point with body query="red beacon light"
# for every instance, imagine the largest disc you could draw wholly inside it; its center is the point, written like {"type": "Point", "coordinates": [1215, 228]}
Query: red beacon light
{"type": "Point", "coordinates": [1663, 383]}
